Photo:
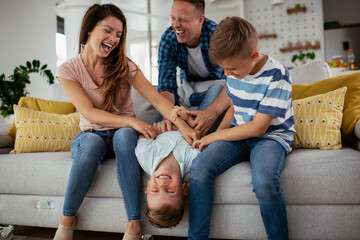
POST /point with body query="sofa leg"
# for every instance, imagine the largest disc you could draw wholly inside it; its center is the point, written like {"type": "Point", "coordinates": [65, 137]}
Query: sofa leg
{"type": "Point", "coordinates": [6, 232]}
{"type": "Point", "coordinates": [147, 237]}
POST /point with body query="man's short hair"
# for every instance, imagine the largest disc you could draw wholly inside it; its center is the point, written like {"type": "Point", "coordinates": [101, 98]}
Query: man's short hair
{"type": "Point", "coordinates": [199, 5]}
{"type": "Point", "coordinates": [165, 217]}
{"type": "Point", "coordinates": [233, 36]}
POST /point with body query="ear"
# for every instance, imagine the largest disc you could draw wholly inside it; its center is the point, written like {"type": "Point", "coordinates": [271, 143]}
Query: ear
{"type": "Point", "coordinates": [146, 189]}
{"type": "Point", "coordinates": [185, 189]}
{"type": "Point", "coordinates": [255, 54]}
{"type": "Point", "coordinates": [202, 18]}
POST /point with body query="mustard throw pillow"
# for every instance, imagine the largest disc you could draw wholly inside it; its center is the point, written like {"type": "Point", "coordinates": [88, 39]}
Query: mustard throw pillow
{"type": "Point", "coordinates": [43, 106]}
{"type": "Point", "coordinates": [44, 132]}
{"type": "Point", "coordinates": [318, 120]}
{"type": "Point", "coordinates": [352, 98]}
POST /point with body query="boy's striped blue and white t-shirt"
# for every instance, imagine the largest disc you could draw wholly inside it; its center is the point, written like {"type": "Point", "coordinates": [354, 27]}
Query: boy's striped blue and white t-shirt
{"type": "Point", "coordinates": [268, 92]}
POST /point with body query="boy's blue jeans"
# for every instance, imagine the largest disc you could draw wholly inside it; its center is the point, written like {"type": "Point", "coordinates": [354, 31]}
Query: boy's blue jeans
{"type": "Point", "coordinates": [201, 99]}
{"type": "Point", "coordinates": [88, 149]}
{"type": "Point", "coordinates": [266, 158]}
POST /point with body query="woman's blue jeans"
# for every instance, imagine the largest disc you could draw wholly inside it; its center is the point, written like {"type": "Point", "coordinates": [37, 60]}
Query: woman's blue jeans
{"type": "Point", "coordinates": [266, 158]}
{"type": "Point", "coordinates": [89, 148]}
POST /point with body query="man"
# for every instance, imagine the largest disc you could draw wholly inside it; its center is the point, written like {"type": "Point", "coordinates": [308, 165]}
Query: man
{"type": "Point", "coordinates": [185, 44]}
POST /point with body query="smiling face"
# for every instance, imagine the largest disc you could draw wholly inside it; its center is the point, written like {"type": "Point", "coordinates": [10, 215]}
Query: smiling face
{"type": "Point", "coordinates": [105, 36]}
{"type": "Point", "coordinates": [186, 22]}
{"type": "Point", "coordinates": [165, 187]}
{"type": "Point", "coordinates": [238, 66]}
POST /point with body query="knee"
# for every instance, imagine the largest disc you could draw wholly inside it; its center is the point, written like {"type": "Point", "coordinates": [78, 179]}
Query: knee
{"type": "Point", "coordinates": [89, 142]}
{"type": "Point", "coordinates": [125, 139]}
{"type": "Point", "coordinates": [216, 88]}
{"type": "Point", "coordinates": [266, 185]}
{"type": "Point", "coordinates": [88, 147]}
{"type": "Point", "coordinates": [124, 135]}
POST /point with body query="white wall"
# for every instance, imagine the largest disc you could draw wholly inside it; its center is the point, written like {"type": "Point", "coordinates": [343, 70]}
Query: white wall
{"type": "Point", "coordinates": [290, 28]}
{"type": "Point", "coordinates": [28, 30]}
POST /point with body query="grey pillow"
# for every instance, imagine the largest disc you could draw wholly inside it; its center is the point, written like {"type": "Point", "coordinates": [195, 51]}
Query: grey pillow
{"type": "Point", "coordinates": [6, 141]}
{"type": "Point", "coordinates": [357, 129]}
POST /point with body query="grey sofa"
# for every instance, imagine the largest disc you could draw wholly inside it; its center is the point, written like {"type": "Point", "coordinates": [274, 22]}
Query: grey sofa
{"type": "Point", "coordinates": [321, 190]}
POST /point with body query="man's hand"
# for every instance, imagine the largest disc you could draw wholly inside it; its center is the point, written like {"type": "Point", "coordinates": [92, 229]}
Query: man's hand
{"type": "Point", "coordinates": [163, 126]}
{"type": "Point", "coordinates": [204, 120]}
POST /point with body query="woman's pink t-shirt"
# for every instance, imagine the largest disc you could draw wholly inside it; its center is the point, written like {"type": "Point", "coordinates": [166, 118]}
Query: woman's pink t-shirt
{"type": "Point", "coordinates": [75, 70]}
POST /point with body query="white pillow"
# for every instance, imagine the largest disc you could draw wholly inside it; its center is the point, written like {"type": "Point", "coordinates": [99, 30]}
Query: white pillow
{"type": "Point", "coordinates": [310, 72]}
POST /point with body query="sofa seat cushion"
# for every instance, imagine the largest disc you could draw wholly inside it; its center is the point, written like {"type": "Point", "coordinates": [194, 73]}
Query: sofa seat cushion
{"type": "Point", "coordinates": [47, 173]}
{"type": "Point", "coordinates": [310, 176]}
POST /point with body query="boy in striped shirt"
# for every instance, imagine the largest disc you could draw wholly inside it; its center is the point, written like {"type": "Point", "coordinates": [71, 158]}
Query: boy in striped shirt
{"type": "Point", "coordinates": [258, 127]}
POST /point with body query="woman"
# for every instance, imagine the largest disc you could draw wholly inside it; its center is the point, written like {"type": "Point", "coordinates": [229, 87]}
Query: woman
{"type": "Point", "coordinates": [98, 82]}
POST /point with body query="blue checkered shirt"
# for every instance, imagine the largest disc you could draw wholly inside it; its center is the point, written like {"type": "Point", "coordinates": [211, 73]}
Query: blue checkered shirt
{"type": "Point", "coordinates": [173, 54]}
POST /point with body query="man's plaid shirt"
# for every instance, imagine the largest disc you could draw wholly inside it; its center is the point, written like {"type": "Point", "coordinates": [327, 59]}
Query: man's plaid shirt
{"type": "Point", "coordinates": [173, 54]}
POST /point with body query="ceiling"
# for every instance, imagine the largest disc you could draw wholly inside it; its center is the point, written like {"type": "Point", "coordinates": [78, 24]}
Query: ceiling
{"type": "Point", "coordinates": [137, 13]}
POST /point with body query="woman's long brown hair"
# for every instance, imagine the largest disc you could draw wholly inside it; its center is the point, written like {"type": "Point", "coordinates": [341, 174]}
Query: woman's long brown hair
{"type": "Point", "coordinates": [116, 69]}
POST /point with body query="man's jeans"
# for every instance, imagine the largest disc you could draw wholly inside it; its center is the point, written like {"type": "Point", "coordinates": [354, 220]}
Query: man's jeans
{"type": "Point", "coordinates": [88, 149]}
{"type": "Point", "coordinates": [201, 99]}
{"type": "Point", "coordinates": [266, 158]}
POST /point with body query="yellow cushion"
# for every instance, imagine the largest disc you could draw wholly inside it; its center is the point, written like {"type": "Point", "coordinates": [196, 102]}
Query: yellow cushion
{"type": "Point", "coordinates": [318, 120]}
{"type": "Point", "coordinates": [43, 106]}
{"type": "Point", "coordinates": [44, 132]}
{"type": "Point", "coordinates": [352, 98]}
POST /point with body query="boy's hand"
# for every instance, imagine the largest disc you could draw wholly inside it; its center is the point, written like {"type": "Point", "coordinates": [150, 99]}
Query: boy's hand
{"type": "Point", "coordinates": [190, 134]}
{"type": "Point", "coordinates": [202, 143]}
{"type": "Point", "coordinates": [179, 111]}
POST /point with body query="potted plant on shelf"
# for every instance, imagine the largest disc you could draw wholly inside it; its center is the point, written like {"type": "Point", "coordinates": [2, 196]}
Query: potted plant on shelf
{"type": "Point", "coordinates": [302, 57]}
{"type": "Point", "coordinates": [13, 87]}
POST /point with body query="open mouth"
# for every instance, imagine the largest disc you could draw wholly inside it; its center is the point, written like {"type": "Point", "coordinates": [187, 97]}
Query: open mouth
{"type": "Point", "coordinates": [106, 46]}
{"type": "Point", "coordinates": [163, 176]}
{"type": "Point", "coordinates": [179, 33]}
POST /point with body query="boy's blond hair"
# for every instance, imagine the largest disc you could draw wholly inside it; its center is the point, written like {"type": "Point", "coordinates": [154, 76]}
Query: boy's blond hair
{"type": "Point", "coordinates": [165, 217]}
{"type": "Point", "coordinates": [233, 36]}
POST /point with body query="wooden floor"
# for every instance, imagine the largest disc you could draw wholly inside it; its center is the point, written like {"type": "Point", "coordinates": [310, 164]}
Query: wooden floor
{"type": "Point", "coordinates": [78, 235]}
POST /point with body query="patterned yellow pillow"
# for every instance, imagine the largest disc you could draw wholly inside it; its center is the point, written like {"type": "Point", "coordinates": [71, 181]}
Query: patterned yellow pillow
{"type": "Point", "coordinates": [318, 120]}
{"type": "Point", "coordinates": [43, 106]}
{"type": "Point", "coordinates": [44, 132]}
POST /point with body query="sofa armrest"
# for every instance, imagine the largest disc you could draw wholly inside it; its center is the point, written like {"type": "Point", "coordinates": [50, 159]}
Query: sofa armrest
{"type": "Point", "coordinates": [6, 141]}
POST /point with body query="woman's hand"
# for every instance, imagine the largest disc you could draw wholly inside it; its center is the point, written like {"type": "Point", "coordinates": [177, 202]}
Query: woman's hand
{"type": "Point", "coordinates": [150, 132]}
{"type": "Point", "coordinates": [202, 143]}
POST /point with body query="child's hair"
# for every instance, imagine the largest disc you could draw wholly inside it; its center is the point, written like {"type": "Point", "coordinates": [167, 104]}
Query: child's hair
{"type": "Point", "coordinates": [198, 4]}
{"type": "Point", "coordinates": [165, 217]}
{"type": "Point", "coordinates": [233, 36]}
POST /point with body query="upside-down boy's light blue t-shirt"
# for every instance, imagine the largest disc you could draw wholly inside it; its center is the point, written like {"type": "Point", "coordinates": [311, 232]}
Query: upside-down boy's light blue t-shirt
{"type": "Point", "coordinates": [150, 153]}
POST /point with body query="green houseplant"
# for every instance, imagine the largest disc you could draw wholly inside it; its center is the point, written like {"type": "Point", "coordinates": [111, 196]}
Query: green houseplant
{"type": "Point", "coordinates": [302, 57]}
{"type": "Point", "coordinates": [13, 87]}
